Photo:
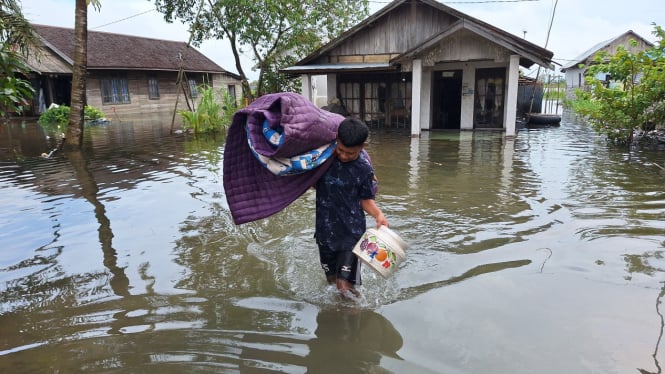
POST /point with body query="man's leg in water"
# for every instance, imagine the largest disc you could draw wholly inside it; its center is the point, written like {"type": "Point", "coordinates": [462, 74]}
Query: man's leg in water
{"type": "Point", "coordinates": [344, 286]}
{"type": "Point", "coordinates": [348, 273]}
{"type": "Point", "coordinates": [340, 269]}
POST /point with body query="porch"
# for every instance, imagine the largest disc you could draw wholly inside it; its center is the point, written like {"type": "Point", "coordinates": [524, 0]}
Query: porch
{"type": "Point", "coordinates": [478, 95]}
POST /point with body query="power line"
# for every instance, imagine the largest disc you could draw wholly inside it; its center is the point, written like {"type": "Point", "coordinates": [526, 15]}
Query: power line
{"type": "Point", "coordinates": [123, 19]}
{"type": "Point", "coordinates": [140, 14]}
{"type": "Point", "coordinates": [371, 1]}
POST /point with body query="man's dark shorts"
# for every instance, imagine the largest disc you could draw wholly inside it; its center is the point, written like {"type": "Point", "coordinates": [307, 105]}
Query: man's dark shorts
{"type": "Point", "coordinates": [342, 264]}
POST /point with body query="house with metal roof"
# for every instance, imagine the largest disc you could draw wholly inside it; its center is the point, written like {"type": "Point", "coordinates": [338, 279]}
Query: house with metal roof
{"type": "Point", "coordinates": [421, 65]}
{"type": "Point", "coordinates": [127, 75]}
{"type": "Point", "coordinates": [575, 69]}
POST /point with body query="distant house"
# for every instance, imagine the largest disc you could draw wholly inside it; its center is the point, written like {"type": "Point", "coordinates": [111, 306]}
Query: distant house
{"type": "Point", "coordinates": [127, 75]}
{"type": "Point", "coordinates": [575, 69]}
{"type": "Point", "coordinates": [421, 65]}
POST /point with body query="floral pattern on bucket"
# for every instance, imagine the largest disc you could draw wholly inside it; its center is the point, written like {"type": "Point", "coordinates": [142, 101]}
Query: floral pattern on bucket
{"type": "Point", "coordinates": [377, 250]}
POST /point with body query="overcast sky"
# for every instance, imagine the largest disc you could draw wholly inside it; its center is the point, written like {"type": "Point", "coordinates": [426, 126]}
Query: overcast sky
{"type": "Point", "coordinates": [577, 26]}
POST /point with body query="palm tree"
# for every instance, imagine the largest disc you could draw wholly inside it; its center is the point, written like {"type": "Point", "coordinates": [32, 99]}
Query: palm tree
{"type": "Point", "coordinates": [74, 135]}
{"type": "Point", "coordinates": [15, 30]}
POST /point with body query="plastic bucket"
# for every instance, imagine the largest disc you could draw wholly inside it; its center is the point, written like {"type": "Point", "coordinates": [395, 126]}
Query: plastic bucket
{"type": "Point", "coordinates": [383, 250]}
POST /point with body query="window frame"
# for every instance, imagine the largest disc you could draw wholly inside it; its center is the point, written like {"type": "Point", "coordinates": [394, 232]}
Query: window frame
{"type": "Point", "coordinates": [114, 90]}
{"type": "Point", "coordinates": [193, 88]}
{"type": "Point", "coordinates": [153, 88]}
{"type": "Point", "coordinates": [231, 90]}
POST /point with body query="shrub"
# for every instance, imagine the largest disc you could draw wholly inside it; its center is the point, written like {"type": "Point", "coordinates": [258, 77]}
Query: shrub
{"type": "Point", "coordinates": [91, 113]}
{"type": "Point", "coordinates": [210, 116]}
{"type": "Point", "coordinates": [56, 117]}
{"type": "Point", "coordinates": [634, 98]}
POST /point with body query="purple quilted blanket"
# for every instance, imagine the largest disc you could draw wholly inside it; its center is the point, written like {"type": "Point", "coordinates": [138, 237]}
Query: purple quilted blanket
{"type": "Point", "coordinates": [252, 191]}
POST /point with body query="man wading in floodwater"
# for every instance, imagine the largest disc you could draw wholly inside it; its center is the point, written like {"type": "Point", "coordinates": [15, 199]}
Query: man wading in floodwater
{"type": "Point", "coordinates": [343, 195]}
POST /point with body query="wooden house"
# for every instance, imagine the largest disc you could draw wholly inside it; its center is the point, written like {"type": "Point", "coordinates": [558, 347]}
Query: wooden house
{"type": "Point", "coordinates": [128, 76]}
{"type": "Point", "coordinates": [421, 65]}
{"type": "Point", "coordinates": [575, 70]}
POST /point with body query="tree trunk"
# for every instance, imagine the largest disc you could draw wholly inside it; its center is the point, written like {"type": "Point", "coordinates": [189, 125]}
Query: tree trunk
{"type": "Point", "coordinates": [74, 136]}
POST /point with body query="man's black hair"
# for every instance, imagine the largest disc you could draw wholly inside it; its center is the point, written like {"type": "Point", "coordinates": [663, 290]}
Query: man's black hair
{"type": "Point", "coordinates": [352, 132]}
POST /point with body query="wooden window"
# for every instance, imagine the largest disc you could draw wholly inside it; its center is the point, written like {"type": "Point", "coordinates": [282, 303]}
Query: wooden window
{"type": "Point", "coordinates": [349, 95]}
{"type": "Point", "coordinates": [115, 91]}
{"type": "Point", "coordinates": [398, 104]}
{"type": "Point", "coordinates": [375, 103]}
{"type": "Point", "coordinates": [489, 98]}
{"type": "Point", "coordinates": [231, 89]}
{"type": "Point", "coordinates": [153, 89]}
{"type": "Point", "coordinates": [193, 90]}
{"type": "Point", "coordinates": [375, 97]}
{"type": "Point", "coordinates": [380, 100]}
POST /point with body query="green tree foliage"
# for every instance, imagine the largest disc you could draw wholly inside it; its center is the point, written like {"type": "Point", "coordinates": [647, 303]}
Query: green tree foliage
{"type": "Point", "coordinates": [269, 30]}
{"type": "Point", "coordinates": [15, 92]}
{"type": "Point", "coordinates": [274, 81]}
{"type": "Point", "coordinates": [15, 30]}
{"type": "Point", "coordinates": [16, 38]}
{"type": "Point", "coordinates": [633, 98]}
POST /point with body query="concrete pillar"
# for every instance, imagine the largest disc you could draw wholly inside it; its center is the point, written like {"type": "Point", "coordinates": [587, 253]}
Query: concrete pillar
{"type": "Point", "coordinates": [331, 90]}
{"type": "Point", "coordinates": [426, 97]}
{"type": "Point", "coordinates": [468, 96]}
{"type": "Point", "coordinates": [416, 84]}
{"type": "Point", "coordinates": [510, 116]}
{"type": "Point", "coordinates": [306, 86]}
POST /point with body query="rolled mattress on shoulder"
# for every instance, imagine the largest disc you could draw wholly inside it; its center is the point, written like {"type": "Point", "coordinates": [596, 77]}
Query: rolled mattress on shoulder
{"type": "Point", "coordinates": [253, 190]}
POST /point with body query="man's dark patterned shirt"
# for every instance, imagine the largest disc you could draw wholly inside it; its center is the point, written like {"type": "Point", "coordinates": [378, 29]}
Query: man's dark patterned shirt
{"type": "Point", "coordinates": [340, 220]}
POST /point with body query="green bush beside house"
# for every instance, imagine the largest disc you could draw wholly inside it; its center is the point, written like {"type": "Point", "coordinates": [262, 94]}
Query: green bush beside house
{"type": "Point", "coordinates": [635, 97]}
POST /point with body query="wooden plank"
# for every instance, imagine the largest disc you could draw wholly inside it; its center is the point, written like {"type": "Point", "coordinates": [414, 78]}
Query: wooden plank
{"type": "Point", "coordinates": [350, 59]}
{"type": "Point", "coordinates": [377, 58]}
{"type": "Point", "coordinates": [397, 32]}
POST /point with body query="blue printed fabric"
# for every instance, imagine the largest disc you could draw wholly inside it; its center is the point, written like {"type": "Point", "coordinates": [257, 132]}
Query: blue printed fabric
{"type": "Point", "coordinates": [274, 136]}
{"type": "Point", "coordinates": [289, 165]}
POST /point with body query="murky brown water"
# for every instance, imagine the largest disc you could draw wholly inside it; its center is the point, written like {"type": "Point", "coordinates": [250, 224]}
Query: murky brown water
{"type": "Point", "coordinates": [539, 254]}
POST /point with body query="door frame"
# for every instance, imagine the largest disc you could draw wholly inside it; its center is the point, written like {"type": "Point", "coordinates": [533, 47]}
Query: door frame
{"type": "Point", "coordinates": [446, 99]}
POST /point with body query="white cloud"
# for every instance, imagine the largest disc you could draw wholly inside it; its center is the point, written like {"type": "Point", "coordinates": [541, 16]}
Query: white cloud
{"type": "Point", "coordinates": [577, 26]}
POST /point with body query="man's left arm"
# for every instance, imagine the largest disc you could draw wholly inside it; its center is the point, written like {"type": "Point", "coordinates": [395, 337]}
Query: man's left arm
{"type": "Point", "coordinates": [370, 207]}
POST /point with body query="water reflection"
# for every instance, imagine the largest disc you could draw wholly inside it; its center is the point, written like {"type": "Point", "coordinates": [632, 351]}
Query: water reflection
{"type": "Point", "coordinates": [532, 237]}
{"type": "Point", "coordinates": [414, 163]}
{"type": "Point", "coordinates": [21, 140]}
{"type": "Point", "coordinates": [467, 190]}
{"type": "Point", "coordinates": [285, 336]}
{"type": "Point", "coordinates": [656, 361]}
{"type": "Point", "coordinates": [410, 292]}
{"type": "Point", "coordinates": [119, 282]}
{"type": "Point", "coordinates": [351, 341]}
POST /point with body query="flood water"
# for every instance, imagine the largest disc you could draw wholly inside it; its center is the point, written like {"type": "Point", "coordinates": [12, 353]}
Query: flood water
{"type": "Point", "coordinates": [542, 253]}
